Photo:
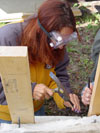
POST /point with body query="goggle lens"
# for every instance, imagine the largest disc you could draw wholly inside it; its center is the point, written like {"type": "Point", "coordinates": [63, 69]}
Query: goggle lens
{"type": "Point", "coordinates": [58, 39]}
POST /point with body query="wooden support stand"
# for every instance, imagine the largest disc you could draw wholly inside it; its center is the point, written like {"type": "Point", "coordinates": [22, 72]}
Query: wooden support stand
{"type": "Point", "coordinates": [15, 75]}
{"type": "Point", "coordinates": [94, 108]}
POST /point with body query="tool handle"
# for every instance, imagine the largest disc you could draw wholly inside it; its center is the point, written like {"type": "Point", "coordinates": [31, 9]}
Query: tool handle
{"type": "Point", "coordinates": [89, 82]}
{"type": "Point", "coordinates": [70, 102]}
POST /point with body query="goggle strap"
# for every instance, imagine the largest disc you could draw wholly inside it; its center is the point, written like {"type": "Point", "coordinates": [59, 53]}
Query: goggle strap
{"type": "Point", "coordinates": [43, 29]}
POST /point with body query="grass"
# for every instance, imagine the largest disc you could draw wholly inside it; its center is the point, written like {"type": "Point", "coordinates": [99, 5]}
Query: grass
{"type": "Point", "coordinates": [2, 24]}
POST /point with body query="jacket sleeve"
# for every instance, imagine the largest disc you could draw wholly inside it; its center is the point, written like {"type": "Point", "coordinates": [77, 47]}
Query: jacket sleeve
{"type": "Point", "coordinates": [59, 101]}
{"type": "Point", "coordinates": [4, 35]}
{"type": "Point", "coordinates": [10, 34]}
{"type": "Point", "coordinates": [95, 54]}
{"type": "Point", "coordinates": [61, 72]}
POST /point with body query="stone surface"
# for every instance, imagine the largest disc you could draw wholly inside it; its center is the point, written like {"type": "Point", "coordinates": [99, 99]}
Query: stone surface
{"type": "Point", "coordinates": [56, 124]}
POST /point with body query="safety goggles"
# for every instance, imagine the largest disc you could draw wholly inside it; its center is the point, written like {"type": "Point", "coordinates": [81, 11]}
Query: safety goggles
{"type": "Point", "coordinates": [61, 40]}
{"type": "Point", "coordinates": [56, 38]}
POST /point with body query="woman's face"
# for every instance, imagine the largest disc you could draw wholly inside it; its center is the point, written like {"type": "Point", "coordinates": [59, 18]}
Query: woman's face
{"type": "Point", "coordinates": [66, 31]}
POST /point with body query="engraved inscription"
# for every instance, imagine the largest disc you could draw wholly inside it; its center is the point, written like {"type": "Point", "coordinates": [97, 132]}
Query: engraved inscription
{"type": "Point", "coordinates": [10, 85]}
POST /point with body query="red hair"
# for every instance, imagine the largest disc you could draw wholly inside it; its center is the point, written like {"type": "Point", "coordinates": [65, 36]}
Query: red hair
{"type": "Point", "coordinates": [53, 15]}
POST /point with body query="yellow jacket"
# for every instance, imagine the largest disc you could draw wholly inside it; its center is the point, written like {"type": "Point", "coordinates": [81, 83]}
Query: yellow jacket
{"type": "Point", "coordinates": [39, 74]}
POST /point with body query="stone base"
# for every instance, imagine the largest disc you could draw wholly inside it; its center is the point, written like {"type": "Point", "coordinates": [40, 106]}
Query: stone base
{"type": "Point", "coordinates": [56, 124]}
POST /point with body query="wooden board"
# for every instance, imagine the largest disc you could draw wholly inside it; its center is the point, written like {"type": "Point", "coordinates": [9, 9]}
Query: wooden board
{"type": "Point", "coordinates": [15, 75]}
{"type": "Point", "coordinates": [94, 108]}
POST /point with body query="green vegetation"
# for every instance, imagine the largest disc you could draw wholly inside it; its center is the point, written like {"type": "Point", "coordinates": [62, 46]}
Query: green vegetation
{"type": "Point", "coordinates": [2, 24]}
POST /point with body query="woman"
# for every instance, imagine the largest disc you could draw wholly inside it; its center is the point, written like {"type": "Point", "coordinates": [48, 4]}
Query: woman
{"type": "Point", "coordinates": [54, 16]}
